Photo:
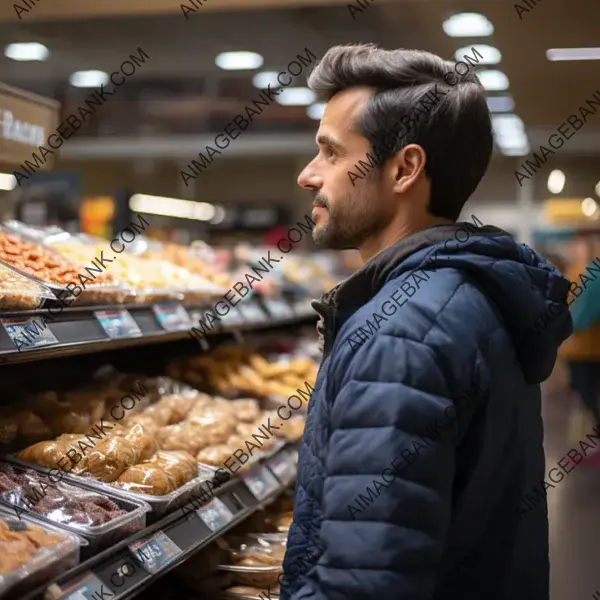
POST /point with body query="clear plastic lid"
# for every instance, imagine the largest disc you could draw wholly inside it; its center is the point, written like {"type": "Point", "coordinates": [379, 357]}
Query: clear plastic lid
{"type": "Point", "coordinates": [19, 292]}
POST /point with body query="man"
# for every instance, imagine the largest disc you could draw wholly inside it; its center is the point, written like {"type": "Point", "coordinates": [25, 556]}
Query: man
{"type": "Point", "coordinates": [424, 430]}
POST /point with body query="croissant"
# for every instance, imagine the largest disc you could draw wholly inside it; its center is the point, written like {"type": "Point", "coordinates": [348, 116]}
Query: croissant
{"type": "Point", "coordinates": [145, 479]}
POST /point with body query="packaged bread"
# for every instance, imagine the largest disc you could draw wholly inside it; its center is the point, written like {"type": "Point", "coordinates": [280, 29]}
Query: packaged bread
{"type": "Point", "coordinates": [111, 457]}
{"type": "Point", "coordinates": [32, 427]}
{"type": "Point", "coordinates": [177, 405]}
{"type": "Point", "coordinates": [146, 422]}
{"type": "Point", "coordinates": [246, 409]}
{"type": "Point", "coordinates": [159, 476]}
{"type": "Point", "coordinates": [146, 442]}
{"type": "Point", "coordinates": [292, 429]}
{"type": "Point", "coordinates": [49, 453]}
{"type": "Point", "coordinates": [184, 436]}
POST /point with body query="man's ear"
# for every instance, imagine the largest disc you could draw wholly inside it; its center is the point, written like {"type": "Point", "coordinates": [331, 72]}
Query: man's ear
{"type": "Point", "coordinates": [407, 167]}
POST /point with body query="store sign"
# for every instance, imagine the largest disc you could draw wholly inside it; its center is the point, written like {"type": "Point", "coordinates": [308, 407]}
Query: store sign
{"type": "Point", "coordinates": [215, 515]}
{"type": "Point", "coordinates": [261, 482]}
{"type": "Point", "coordinates": [87, 588]}
{"type": "Point", "coordinates": [172, 317]}
{"type": "Point", "coordinates": [28, 333]}
{"type": "Point", "coordinates": [118, 324]}
{"type": "Point", "coordinates": [26, 121]}
{"type": "Point", "coordinates": [156, 552]}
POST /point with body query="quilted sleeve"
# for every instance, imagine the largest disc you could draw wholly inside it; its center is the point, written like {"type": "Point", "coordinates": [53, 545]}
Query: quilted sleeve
{"type": "Point", "coordinates": [396, 421]}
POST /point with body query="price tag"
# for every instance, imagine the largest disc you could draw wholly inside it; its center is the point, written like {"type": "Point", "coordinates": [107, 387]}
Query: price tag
{"type": "Point", "coordinates": [28, 333]}
{"type": "Point", "coordinates": [279, 308]}
{"type": "Point", "coordinates": [261, 483]}
{"type": "Point", "coordinates": [215, 515]}
{"type": "Point", "coordinates": [253, 312]}
{"type": "Point", "coordinates": [87, 588]}
{"type": "Point", "coordinates": [118, 324]}
{"type": "Point", "coordinates": [282, 464]}
{"type": "Point", "coordinates": [172, 317]}
{"type": "Point", "coordinates": [155, 552]}
{"type": "Point", "coordinates": [232, 318]}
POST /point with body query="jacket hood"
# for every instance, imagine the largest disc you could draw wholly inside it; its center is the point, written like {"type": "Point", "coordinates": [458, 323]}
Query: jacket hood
{"type": "Point", "coordinates": [528, 291]}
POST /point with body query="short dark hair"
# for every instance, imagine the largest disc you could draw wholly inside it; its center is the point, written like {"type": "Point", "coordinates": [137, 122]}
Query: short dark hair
{"type": "Point", "coordinates": [456, 134]}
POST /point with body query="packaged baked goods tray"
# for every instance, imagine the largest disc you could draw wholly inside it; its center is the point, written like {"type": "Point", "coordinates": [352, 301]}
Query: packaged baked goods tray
{"type": "Point", "coordinates": [21, 292]}
{"type": "Point", "coordinates": [76, 509]}
{"type": "Point", "coordinates": [159, 505]}
{"type": "Point", "coordinates": [44, 564]}
{"type": "Point", "coordinates": [32, 259]}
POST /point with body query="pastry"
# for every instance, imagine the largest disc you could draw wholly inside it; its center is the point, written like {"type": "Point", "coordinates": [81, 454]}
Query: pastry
{"type": "Point", "coordinates": [246, 410]}
{"type": "Point", "coordinates": [185, 436]}
{"type": "Point", "coordinates": [111, 457]}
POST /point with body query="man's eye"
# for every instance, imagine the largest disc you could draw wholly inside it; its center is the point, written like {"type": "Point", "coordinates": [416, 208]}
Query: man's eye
{"type": "Point", "coordinates": [329, 151]}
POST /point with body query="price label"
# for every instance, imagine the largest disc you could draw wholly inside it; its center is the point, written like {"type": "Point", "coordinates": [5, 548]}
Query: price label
{"type": "Point", "coordinates": [87, 588]}
{"type": "Point", "coordinates": [279, 308]}
{"type": "Point", "coordinates": [155, 552]}
{"type": "Point", "coordinates": [232, 318]}
{"type": "Point", "coordinates": [215, 515]}
{"type": "Point", "coordinates": [282, 464]}
{"type": "Point", "coordinates": [252, 312]}
{"type": "Point", "coordinates": [261, 483]}
{"type": "Point", "coordinates": [118, 324]}
{"type": "Point", "coordinates": [172, 317]}
{"type": "Point", "coordinates": [28, 333]}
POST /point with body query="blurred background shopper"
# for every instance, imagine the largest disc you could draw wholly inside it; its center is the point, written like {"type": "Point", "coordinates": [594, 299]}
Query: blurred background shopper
{"type": "Point", "coordinates": [582, 349]}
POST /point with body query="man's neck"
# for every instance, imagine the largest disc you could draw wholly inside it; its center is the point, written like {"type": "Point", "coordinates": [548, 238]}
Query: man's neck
{"type": "Point", "coordinates": [393, 234]}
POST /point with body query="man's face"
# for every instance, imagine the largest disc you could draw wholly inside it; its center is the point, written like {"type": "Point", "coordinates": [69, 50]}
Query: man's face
{"type": "Point", "coordinates": [347, 210]}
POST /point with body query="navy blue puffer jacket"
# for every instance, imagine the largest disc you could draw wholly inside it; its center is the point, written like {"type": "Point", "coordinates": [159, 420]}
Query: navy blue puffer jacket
{"type": "Point", "coordinates": [424, 431]}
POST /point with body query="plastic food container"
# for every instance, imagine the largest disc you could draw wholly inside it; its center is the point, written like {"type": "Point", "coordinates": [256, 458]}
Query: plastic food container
{"type": "Point", "coordinates": [69, 507]}
{"type": "Point", "coordinates": [159, 505]}
{"type": "Point", "coordinates": [258, 559]}
{"type": "Point", "coordinates": [242, 592]}
{"type": "Point", "coordinates": [254, 576]}
{"type": "Point", "coordinates": [41, 259]}
{"type": "Point", "coordinates": [43, 563]}
{"type": "Point", "coordinates": [21, 292]}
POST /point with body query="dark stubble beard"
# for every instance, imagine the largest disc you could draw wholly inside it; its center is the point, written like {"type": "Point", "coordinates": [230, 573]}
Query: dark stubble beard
{"type": "Point", "coordinates": [351, 220]}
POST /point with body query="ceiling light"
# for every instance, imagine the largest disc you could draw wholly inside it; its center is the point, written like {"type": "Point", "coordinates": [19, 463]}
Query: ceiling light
{"type": "Point", "coordinates": [315, 111]}
{"type": "Point", "coordinates": [468, 25]}
{"type": "Point", "coordinates": [219, 215]}
{"type": "Point", "coordinates": [597, 189]}
{"type": "Point", "coordinates": [27, 51]}
{"type": "Point", "coordinates": [493, 81]}
{"type": "Point", "coordinates": [556, 54]}
{"type": "Point", "coordinates": [507, 124]}
{"type": "Point", "coordinates": [88, 79]}
{"type": "Point", "coordinates": [556, 181]}
{"type": "Point", "coordinates": [265, 79]}
{"type": "Point", "coordinates": [491, 55]}
{"type": "Point", "coordinates": [299, 96]}
{"type": "Point", "coordinates": [172, 207]}
{"type": "Point", "coordinates": [7, 182]}
{"type": "Point", "coordinates": [239, 61]}
{"type": "Point", "coordinates": [499, 104]}
{"type": "Point", "coordinates": [589, 207]}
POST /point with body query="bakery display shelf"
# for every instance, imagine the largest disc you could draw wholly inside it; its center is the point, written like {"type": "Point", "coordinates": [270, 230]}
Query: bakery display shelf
{"type": "Point", "coordinates": [131, 566]}
{"type": "Point", "coordinates": [25, 336]}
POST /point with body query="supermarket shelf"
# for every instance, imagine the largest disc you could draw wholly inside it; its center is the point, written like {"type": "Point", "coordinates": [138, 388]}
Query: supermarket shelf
{"type": "Point", "coordinates": [25, 336]}
{"type": "Point", "coordinates": [130, 567]}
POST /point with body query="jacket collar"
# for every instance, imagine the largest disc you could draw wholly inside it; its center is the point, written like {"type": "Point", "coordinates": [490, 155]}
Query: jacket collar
{"type": "Point", "coordinates": [337, 305]}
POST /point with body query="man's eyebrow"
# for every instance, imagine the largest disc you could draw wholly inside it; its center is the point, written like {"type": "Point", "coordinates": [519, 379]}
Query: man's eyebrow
{"type": "Point", "coordinates": [326, 140]}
